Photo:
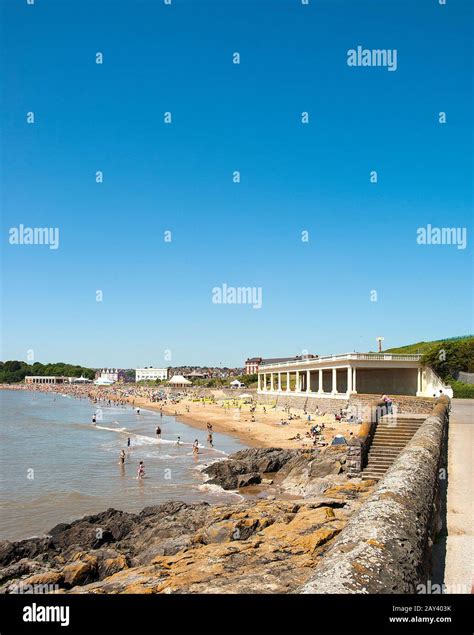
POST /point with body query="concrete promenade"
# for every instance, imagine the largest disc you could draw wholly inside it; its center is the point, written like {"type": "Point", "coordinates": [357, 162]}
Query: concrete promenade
{"type": "Point", "coordinates": [459, 564]}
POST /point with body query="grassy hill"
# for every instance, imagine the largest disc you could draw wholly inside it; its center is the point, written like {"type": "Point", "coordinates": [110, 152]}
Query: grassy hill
{"type": "Point", "coordinates": [425, 347]}
{"type": "Point", "coordinates": [447, 357]}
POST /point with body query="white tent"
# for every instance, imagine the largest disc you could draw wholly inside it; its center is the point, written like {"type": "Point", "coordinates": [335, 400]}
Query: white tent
{"type": "Point", "coordinates": [179, 380]}
{"type": "Point", "coordinates": [245, 396]}
{"type": "Point", "coordinates": [237, 384]}
{"type": "Point", "coordinates": [103, 381]}
{"type": "Point", "coordinates": [80, 380]}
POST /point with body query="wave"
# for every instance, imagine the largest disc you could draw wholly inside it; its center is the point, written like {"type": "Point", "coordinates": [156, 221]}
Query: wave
{"type": "Point", "coordinates": [218, 490]}
{"type": "Point", "coordinates": [111, 429]}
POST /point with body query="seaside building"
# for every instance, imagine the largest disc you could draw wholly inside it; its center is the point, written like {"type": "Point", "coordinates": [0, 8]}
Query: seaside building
{"type": "Point", "coordinates": [55, 379]}
{"type": "Point", "coordinates": [113, 374]}
{"type": "Point", "coordinates": [339, 376]}
{"type": "Point", "coordinates": [178, 381]}
{"type": "Point", "coordinates": [44, 379]}
{"type": "Point", "coordinates": [195, 374]}
{"type": "Point", "coordinates": [252, 364]}
{"type": "Point", "coordinates": [142, 374]}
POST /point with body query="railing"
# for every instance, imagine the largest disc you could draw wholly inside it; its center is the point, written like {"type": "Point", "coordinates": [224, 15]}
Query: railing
{"type": "Point", "coordinates": [346, 356]}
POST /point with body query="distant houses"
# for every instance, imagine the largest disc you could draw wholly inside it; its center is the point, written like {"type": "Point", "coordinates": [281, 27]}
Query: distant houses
{"type": "Point", "coordinates": [111, 374]}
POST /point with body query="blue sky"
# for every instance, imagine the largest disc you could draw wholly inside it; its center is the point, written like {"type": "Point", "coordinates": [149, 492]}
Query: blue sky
{"type": "Point", "coordinates": [157, 296]}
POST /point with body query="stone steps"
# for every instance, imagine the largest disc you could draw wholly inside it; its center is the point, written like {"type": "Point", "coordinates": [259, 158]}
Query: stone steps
{"type": "Point", "coordinates": [391, 436]}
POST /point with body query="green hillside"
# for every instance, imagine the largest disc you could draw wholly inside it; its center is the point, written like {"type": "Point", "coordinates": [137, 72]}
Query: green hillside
{"type": "Point", "coordinates": [447, 358]}
{"type": "Point", "coordinates": [424, 347]}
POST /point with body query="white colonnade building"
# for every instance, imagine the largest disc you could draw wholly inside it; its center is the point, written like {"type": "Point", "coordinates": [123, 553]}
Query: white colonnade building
{"type": "Point", "coordinates": [339, 376]}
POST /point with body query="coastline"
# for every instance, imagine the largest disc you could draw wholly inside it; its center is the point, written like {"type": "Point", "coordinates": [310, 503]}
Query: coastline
{"type": "Point", "coordinates": [265, 432]}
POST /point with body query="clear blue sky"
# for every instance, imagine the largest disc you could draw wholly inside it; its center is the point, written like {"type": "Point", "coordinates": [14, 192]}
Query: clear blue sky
{"type": "Point", "coordinates": [178, 177]}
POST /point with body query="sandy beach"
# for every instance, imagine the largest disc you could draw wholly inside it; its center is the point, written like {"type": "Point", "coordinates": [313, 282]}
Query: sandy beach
{"type": "Point", "coordinates": [265, 431]}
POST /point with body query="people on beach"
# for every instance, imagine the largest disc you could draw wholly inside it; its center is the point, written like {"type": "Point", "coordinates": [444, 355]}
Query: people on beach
{"type": "Point", "coordinates": [122, 457]}
{"type": "Point", "coordinates": [94, 420]}
{"type": "Point", "coordinates": [128, 442]}
{"type": "Point", "coordinates": [158, 432]}
{"type": "Point", "coordinates": [178, 441]}
{"type": "Point", "coordinates": [209, 438]}
{"type": "Point", "coordinates": [196, 447]}
{"type": "Point", "coordinates": [141, 470]}
{"type": "Point", "coordinates": [138, 411]}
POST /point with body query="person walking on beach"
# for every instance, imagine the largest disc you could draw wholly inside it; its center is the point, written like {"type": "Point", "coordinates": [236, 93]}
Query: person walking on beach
{"type": "Point", "coordinates": [141, 470]}
{"type": "Point", "coordinates": [158, 432]}
{"type": "Point", "coordinates": [122, 457]}
{"type": "Point", "coordinates": [196, 447]}
{"type": "Point", "coordinates": [209, 439]}
{"type": "Point", "coordinates": [128, 442]}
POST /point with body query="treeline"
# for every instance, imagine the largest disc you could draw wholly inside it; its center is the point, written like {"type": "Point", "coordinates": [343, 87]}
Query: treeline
{"type": "Point", "coordinates": [14, 371]}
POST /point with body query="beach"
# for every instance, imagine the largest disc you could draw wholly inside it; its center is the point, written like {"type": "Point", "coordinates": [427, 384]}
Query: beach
{"type": "Point", "coordinates": [227, 414]}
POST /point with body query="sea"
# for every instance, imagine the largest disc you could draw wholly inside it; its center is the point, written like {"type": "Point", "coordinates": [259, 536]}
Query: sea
{"type": "Point", "coordinates": [56, 466]}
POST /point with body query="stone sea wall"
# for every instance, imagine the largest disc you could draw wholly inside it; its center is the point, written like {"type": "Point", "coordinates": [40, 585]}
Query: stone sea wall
{"type": "Point", "coordinates": [385, 547]}
{"type": "Point", "coordinates": [403, 404]}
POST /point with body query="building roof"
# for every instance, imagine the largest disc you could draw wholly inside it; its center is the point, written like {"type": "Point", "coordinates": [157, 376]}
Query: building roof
{"type": "Point", "coordinates": [276, 360]}
{"type": "Point", "coordinates": [179, 379]}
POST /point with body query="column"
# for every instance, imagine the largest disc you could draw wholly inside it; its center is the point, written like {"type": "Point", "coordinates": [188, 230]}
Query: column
{"type": "Point", "coordinates": [334, 381]}
{"type": "Point", "coordinates": [297, 385]}
{"type": "Point", "coordinates": [320, 387]}
{"type": "Point", "coordinates": [354, 378]}
{"type": "Point", "coordinates": [288, 381]}
{"type": "Point", "coordinates": [279, 382]}
{"type": "Point", "coordinates": [264, 381]}
{"type": "Point", "coordinates": [259, 383]}
{"type": "Point", "coordinates": [349, 380]}
{"type": "Point", "coordinates": [272, 387]}
{"type": "Point", "coordinates": [419, 382]}
{"type": "Point", "coordinates": [308, 381]}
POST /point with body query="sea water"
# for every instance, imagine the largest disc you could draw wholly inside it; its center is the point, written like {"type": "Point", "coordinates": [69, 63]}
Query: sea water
{"type": "Point", "coordinates": [56, 466]}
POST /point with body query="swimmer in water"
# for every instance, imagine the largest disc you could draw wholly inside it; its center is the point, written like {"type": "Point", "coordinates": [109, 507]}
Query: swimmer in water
{"type": "Point", "coordinates": [138, 411]}
{"type": "Point", "coordinates": [196, 447]}
{"type": "Point", "coordinates": [178, 441]}
{"type": "Point", "coordinates": [209, 439]}
{"type": "Point", "coordinates": [158, 431]}
{"type": "Point", "coordinates": [122, 457]}
{"type": "Point", "coordinates": [128, 442]}
{"type": "Point", "coordinates": [141, 470]}
{"type": "Point", "coordinates": [94, 419]}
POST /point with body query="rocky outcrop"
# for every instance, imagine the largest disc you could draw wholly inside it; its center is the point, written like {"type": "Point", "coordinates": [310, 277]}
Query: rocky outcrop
{"type": "Point", "coordinates": [303, 470]}
{"type": "Point", "coordinates": [255, 546]}
{"type": "Point", "coordinates": [245, 466]}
